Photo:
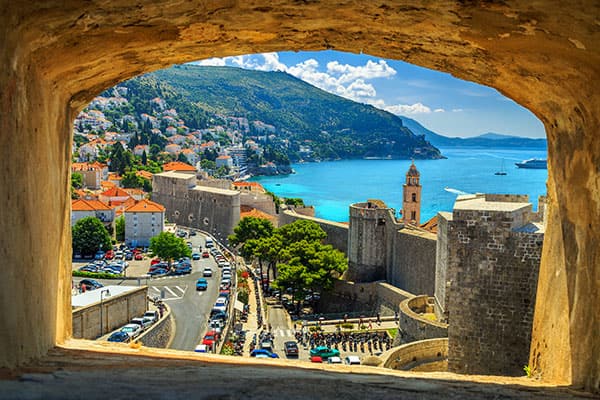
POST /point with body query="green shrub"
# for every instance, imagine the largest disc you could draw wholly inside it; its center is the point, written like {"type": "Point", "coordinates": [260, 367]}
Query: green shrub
{"type": "Point", "coordinates": [227, 349]}
{"type": "Point", "coordinates": [314, 329]}
{"type": "Point", "coordinates": [243, 295]}
{"type": "Point", "coordinates": [96, 275]}
{"type": "Point", "coordinates": [527, 370]}
{"type": "Point", "coordinates": [347, 325]}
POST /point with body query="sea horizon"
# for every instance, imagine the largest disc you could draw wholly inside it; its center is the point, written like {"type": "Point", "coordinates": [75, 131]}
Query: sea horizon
{"type": "Point", "coordinates": [332, 186]}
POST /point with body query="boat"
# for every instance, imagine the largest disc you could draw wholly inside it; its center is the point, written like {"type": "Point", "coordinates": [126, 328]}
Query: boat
{"type": "Point", "coordinates": [533, 163]}
{"type": "Point", "coordinates": [502, 171]}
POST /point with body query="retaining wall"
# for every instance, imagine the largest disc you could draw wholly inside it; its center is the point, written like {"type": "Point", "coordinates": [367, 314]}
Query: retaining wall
{"type": "Point", "coordinates": [413, 326]}
{"type": "Point", "coordinates": [425, 355]}
{"type": "Point", "coordinates": [159, 334]}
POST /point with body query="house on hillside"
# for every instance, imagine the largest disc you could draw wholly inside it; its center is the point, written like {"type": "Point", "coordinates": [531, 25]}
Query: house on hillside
{"type": "Point", "coordinates": [143, 220]}
{"type": "Point", "coordinates": [179, 166]}
{"type": "Point", "coordinates": [82, 208]}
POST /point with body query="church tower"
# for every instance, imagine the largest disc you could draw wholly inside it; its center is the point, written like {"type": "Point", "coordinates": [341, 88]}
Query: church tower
{"type": "Point", "coordinates": [411, 197]}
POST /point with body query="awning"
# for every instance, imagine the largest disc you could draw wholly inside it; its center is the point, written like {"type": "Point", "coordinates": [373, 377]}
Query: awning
{"type": "Point", "coordinates": [238, 305]}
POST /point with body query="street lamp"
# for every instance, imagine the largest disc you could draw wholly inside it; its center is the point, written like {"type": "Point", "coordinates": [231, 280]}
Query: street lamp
{"type": "Point", "coordinates": [102, 293]}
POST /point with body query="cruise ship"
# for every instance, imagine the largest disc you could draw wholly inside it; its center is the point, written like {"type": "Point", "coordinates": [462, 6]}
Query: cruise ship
{"type": "Point", "coordinates": [533, 163]}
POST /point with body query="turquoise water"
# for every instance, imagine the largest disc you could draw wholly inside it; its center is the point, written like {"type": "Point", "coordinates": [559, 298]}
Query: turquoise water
{"type": "Point", "coordinates": [332, 186]}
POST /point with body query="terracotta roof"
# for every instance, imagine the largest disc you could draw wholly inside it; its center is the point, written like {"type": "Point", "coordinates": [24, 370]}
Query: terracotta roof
{"type": "Point", "coordinates": [120, 204]}
{"type": "Point", "coordinates": [244, 184]}
{"type": "Point", "coordinates": [145, 206]}
{"type": "Point", "coordinates": [431, 225]}
{"type": "Point", "coordinates": [115, 192]}
{"type": "Point", "coordinates": [247, 211]}
{"type": "Point", "coordinates": [223, 158]}
{"type": "Point", "coordinates": [178, 166]}
{"type": "Point", "coordinates": [133, 191]}
{"type": "Point", "coordinates": [107, 185]}
{"type": "Point", "coordinates": [144, 174]}
{"type": "Point", "coordinates": [84, 166]}
{"type": "Point", "coordinates": [88, 205]}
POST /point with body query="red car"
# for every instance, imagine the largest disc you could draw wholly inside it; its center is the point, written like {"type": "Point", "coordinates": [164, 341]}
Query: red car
{"type": "Point", "coordinates": [154, 261]}
{"type": "Point", "coordinates": [210, 338]}
{"type": "Point", "coordinates": [109, 255]}
{"type": "Point", "coordinates": [205, 254]}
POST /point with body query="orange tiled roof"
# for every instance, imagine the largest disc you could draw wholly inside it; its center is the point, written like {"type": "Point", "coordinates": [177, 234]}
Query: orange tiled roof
{"type": "Point", "coordinates": [107, 185]}
{"type": "Point", "coordinates": [144, 174]}
{"type": "Point", "coordinates": [88, 205]}
{"type": "Point", "coordinates": [115, 192]}
{"type": "Point", "coordinates": [122, 204]}
{"type": "Point", "coordinates": [247, 211]}
{"type": "Point", "coordinates": [145, 206]}
{"type": "Point", "coordinates": [248, 184]}
{"type": "Point", "coordinates": [178, 166]}
{"type": "Point", "coordinates": [133, 191]}
{"type": "Point", "coordinates": [114, 177]}
{"type": "Point", "coordinates": [431, 225]}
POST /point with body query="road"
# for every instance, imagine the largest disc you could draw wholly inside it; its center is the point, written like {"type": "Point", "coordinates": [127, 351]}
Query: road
{"type": "Point", "coordinates": [190, 308]}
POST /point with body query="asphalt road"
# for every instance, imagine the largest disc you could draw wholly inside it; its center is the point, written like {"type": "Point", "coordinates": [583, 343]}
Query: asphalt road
{"type": "Point", "coordinates": [190, 308]}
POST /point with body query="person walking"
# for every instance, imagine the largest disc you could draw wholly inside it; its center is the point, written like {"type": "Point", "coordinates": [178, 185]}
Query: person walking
{"type": "Point", "coordinates": [378, 319]}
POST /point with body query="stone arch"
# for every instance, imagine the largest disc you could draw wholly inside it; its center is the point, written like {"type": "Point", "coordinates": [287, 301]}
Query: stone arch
{"type": "Point", "coordinates": [56, 58]}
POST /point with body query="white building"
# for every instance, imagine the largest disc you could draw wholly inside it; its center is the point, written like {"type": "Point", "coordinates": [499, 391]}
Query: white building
{"type": "Point", "coordinates": [143, 220]}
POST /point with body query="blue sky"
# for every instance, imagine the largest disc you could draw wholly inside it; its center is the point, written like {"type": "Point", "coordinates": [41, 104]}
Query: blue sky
{"type": "Point", "coordinates": [440, 102]}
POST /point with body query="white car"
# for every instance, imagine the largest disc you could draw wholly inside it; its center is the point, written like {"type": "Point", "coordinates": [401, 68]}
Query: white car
{"type": "Point", "coordinates": [201, 348]}
{"type": "Point", "coordinates": [151, 315]}
{"type": "Point", "coordinates": [143, 322]}
{"type": "Point", "coordinates": [221, 301]}
{"type": "Point", "coordinates": [352, 360]}
{"type": "Point", "coordinates": [133, 330]}
{"type": "Point", "coordinates": [334, 360]}
{"type": "Point", "coordinates": [207, 272]}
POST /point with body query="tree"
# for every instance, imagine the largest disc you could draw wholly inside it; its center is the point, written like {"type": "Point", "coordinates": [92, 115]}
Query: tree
{"type": "Point", "coordinates": [144, 158]}
{"type": "Point", "coordinates": [247, 229]}
{"type": "Point", "coordinates": [301, 230]}
{"type": "Point", "coordinates": [76, 180]}
{"type": "Point", "coordinates": [89, 236]}
{"type": "Point", "coordinates": [168, 246]}
{"type": "Point", "coordinates": [131, 180]}
{"type": "Point", "coordinates": [120, 228]}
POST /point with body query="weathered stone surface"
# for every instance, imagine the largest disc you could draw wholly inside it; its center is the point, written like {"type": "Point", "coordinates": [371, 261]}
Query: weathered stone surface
{"type": "Point", "coordinates": [56, 56]}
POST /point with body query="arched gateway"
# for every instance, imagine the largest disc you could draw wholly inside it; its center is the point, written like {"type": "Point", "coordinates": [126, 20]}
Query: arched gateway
{"type": "Point", "coordinates": [56, 56]}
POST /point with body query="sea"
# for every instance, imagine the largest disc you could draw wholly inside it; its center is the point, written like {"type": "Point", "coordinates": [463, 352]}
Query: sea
{"type": "Point", "coordinates": [332, 186]}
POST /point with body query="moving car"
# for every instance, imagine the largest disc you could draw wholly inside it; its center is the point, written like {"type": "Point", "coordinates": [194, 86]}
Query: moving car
{"type": "Point", "coordinates": [196, 256]}
{"type": "Point", "coordinates": [120, 337]}
{"type": "Point", "coordinates": [324, 352]}
{"type": "Point", "coordinates": [263, 353]}
{"type": "Point", "coordinates": [133, 330]}
{"type": "Point", "coordinates": [201, 284]}
{"type": "Point", "coordinates": [291, 349]}
{"type": "Point", "coordinates": [207, 272]}
{"type": "Point", "coordinates": [158, 271]}
{"type": "Point", "coordinates": [205, 254]}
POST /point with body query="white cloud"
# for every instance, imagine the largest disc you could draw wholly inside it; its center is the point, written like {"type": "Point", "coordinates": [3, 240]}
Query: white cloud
{"type": "Point", "coordinates": [350, 73]}
{"type": "Point", "coordinates": [439, 110]}
{"type": "Point", "coordinates": [403, 109]}
{"type": "Point", "coordinates": [219, 62]}
{"type": "Point", "coordinates": [457, 110]}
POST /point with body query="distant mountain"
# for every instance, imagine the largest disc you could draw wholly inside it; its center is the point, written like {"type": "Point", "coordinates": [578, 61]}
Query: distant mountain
{"type": "Point", "coordinates": [489, 139]}
{"type": "Point", "coordinates": [303, 121]}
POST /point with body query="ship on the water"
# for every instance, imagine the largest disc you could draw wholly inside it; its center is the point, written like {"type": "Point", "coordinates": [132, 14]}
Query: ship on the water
{"type": "Point", "coordinates": [533, 163]}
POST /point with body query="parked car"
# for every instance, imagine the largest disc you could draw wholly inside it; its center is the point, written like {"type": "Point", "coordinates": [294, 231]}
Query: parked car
{"type": "Point", "coordinates": [144, 323]}
{"type": "Point", "coordinates": [263, 353]}
{"type": "Point", "coordinates": [158, 272]}
{"type": "Point", "coordinates": [207, 272]}
{"type": "Point", "coordinates": [152, 315]}
{"type": "Point", "coordinates": [99, 255]}
{"type": "Point", "coordinates": [196, 256]}
{"type": "Point", "coordinates": [138, 256]}
{"type": "Point", "coordinates": [155, 261]}
{"type": "Point", "coordinates": [324, 352]}
{"type": "Point", "coordinates": [129, 255]}
{"type": "Point", "coordinates": [218, 315]}
{"type": "Point", "coordinates": [181, 270]}
{"type": "Point", "coordinates": [133, 330]}
{"type": "Point", "coordinates": [291, 349]}
{"type": "Point", "coordinates": [89, 268]}
{"type": "Point", "coordinates": [119, 336]}
{"type": "Point", "coordinates": [109, 255]}
{"type": "Point", "coordinates": [352, 360]}
{"type": "Point", "coordinates": [201, 284]}
{"type": "Point", "coordinates": [90, 284]}
{"type": "Point", "coordinates": [210, 338]}
{"type": "Point", "coordinates": [221, 301]}
{"type": "Point", "coordinates": [216, 325]}
{"type": "Point", "coordinates": [316, 359]}
{"type": "Point", "coordinates": [334, 360]}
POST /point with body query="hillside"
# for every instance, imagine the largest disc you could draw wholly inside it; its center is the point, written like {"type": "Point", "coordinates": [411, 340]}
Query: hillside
{"type": "Point", "coordinates": [486, 140]}
{"type": "Point", "coordinates": [303, 121]}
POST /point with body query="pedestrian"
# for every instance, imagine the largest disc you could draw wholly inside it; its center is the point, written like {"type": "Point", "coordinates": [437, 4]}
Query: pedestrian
{"type": "Point", "coordinates": [378, 319]}
{"type": "Point", "coordinates": [160, 310]}
{"type": "Point", "coordinates": [370, 325]}
{"type": "Point", "coordinates": [345, 317]}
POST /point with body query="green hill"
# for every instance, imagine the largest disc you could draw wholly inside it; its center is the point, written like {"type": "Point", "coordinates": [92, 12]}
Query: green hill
{"type": "Point", "coordinates": [301, 114]}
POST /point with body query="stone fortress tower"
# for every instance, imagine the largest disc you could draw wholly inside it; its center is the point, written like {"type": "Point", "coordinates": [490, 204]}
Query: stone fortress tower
{"type": "Point", "coordinates": [411, 197]}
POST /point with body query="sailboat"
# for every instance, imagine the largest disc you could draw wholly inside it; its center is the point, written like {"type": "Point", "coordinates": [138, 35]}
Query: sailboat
{"type": "Point", "coordinates": [502, 171]}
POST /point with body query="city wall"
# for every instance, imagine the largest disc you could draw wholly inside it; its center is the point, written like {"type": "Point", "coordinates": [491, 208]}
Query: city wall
{"type": "Point", "coordinates": [210, 209]}
{"type": "Point", "coordinates": [371, 297]}
{"type": "Point", "coordinates": [414, 326]}
{"type": "Point", "coordinates": [493, 273]}
{"type": "Point", "coordinates": [337, 233]}
{"type": "Point", "coordinates": [260, 201]}
{"type": "Point", "coordinates": [412, 260]}
{"type": "Point", "coordinates": [426, 355]}
{"type": "Point", "coordinates": [116, 311]}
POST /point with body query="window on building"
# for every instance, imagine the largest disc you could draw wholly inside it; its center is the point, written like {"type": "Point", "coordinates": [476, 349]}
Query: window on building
{"type": "Point", "coordinates": [414, 197]}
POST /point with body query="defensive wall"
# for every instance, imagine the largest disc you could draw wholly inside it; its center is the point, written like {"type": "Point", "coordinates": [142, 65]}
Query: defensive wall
{"type": "Point", "coordinates": [381, 248]}
{"type": "Point", "coordinates": [425, 355]}
{"type": "Point", "coordinates": [337, 233]}
{"type": "Point", "coordinates": [117, 310]}
{"type": "Point", "coordinates": [494, 248]}
{"type": "Point", "coordinates": [210, 209]}
{"type": "Point", "coordinates": [414, 326]}
{"type": "Point", "coordinates": [260, 201]}
{"type": "Point", "coordinates": [368, 297]}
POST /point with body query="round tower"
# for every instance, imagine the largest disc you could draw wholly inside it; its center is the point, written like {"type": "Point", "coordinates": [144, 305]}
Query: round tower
{"type": "Point", "coordinates": [411, 197]}
{"type": "Point", "coordinates": [367, 241]}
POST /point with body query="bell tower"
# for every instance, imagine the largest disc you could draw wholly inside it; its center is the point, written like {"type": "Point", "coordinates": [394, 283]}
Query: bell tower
{"type": "Point", "coordinates": [411, 197]}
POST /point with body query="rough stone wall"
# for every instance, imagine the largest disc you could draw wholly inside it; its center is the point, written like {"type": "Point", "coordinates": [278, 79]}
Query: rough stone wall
{"type": "Point", "coordinates": [262, 202]}
{"type": "Point", "coordinates": [492, 292]}
{"type": "Point", "coordinates": [441, 267]}
{"type": "Point", "coordinates": [417, 354]}
{"type": "Point", "coordinates": [116, 311]}
{"type": "Point", "coordinates": [337, 233]}
{"type": "Point", "coordinates": [414, 327]}
{"type": "Point", "coordinates": [412, 261]}
{"type": "Point", "coordinates": [55, 59]}
{"type": "Point", "coordinates": [210, 209]}
{"type": "Point", "coordinates": [369, 238]}
{"type": "Point", "coordinates": [368, 297]}
{"type": "Point", "coordinates": [160, 334]}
